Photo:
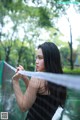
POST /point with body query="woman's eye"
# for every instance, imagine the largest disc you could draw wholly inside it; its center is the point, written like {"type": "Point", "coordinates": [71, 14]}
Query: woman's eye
{"type": "Point", "coordinates": [39, 57]}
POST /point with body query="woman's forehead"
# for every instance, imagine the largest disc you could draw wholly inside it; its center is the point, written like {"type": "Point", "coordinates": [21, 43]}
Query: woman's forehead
{"type": "Point", "coordinates": [39, 52]}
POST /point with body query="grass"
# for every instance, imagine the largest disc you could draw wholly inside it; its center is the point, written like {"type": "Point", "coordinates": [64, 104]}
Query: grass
{"type": "Point", "coordinates": [75, 71]}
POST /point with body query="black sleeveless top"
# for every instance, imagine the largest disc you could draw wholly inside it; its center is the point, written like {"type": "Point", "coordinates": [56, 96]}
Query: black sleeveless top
{"type": "Point", "coordinates": [43, 108]}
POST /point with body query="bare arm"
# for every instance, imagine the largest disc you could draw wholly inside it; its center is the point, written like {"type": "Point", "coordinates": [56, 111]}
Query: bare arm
{"type": "Point", "coordinates": [26, 80]}
{"type": "Point", "coordinates": [25, 101]}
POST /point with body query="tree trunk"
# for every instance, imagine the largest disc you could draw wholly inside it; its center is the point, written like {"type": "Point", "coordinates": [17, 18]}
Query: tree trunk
{"type": "Point", "coordinates": [7, 51]}
{"type": "Point", "coordinates": [71, 50]}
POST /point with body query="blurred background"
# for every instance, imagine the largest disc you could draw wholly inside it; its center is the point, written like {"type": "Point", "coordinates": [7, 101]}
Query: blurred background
{"type": "Point", "coordinates": [24, 24]}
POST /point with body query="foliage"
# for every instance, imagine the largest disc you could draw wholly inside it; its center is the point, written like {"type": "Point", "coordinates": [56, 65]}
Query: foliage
{"type": "Point", "coordinates": [75, 71]}
{"type": "Point", "coordinates": [23, 54]}
{"type": "Point", "coordinates": [65, 55]}
{"type": "Point", "coordinates": [31, 18]}
{"type": "Point", "coordinates": [44, 19]}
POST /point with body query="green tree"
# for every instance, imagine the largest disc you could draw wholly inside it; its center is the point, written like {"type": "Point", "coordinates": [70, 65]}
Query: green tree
{"type": "Point", "coordinates": [32, 19]}
{"type": "Point", "coordinates": [65, 55]}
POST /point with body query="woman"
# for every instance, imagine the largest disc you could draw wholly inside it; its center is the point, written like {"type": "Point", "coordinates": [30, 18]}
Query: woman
{"type": "Point", "coordinates": [41, 98]}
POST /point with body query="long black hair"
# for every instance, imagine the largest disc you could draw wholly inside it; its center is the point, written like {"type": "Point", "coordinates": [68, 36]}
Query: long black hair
{"type": "Point", "coordinates": [52, 63]}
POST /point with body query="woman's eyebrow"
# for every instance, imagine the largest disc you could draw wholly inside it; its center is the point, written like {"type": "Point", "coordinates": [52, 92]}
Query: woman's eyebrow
{"type": "Point", "coordinates": [39, 55]}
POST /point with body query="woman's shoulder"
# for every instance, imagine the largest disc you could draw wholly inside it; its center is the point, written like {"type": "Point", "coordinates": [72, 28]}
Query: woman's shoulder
{"type": "Point", "coordinates": [34, 82]}
{"type": "Point", "coordinates": [40, 84]}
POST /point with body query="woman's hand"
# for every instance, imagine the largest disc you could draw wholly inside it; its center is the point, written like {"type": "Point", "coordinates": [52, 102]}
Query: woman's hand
{"type": "Point", "coordinates": [20, 67]}
{"type": "Point", "coordinates": [17, 76]}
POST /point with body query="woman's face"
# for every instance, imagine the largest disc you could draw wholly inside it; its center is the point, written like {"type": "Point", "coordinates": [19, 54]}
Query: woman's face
{"type": "Point", "coordinates": [40, 61]}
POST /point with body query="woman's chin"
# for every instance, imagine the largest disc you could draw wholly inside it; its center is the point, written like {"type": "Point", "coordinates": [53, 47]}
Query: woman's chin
{"type": "Point", "coordinates": [38, 70]}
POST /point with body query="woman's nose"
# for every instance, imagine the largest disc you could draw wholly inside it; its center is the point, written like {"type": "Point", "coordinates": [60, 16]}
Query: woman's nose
{"type": "Point", "coordinates": [37, 61]}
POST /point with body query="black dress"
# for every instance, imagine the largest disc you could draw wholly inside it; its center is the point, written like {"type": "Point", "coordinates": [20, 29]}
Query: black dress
{"type": "Point", "coordinates": [43, 108]}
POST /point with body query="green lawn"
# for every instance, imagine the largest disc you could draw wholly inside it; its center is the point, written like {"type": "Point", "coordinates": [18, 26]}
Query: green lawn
{"type": "Point", "coordinates": [75, 71]}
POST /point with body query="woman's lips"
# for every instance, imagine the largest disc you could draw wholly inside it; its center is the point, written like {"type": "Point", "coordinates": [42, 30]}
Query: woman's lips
{"type": "Point", "coordinates": [37, 67]}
